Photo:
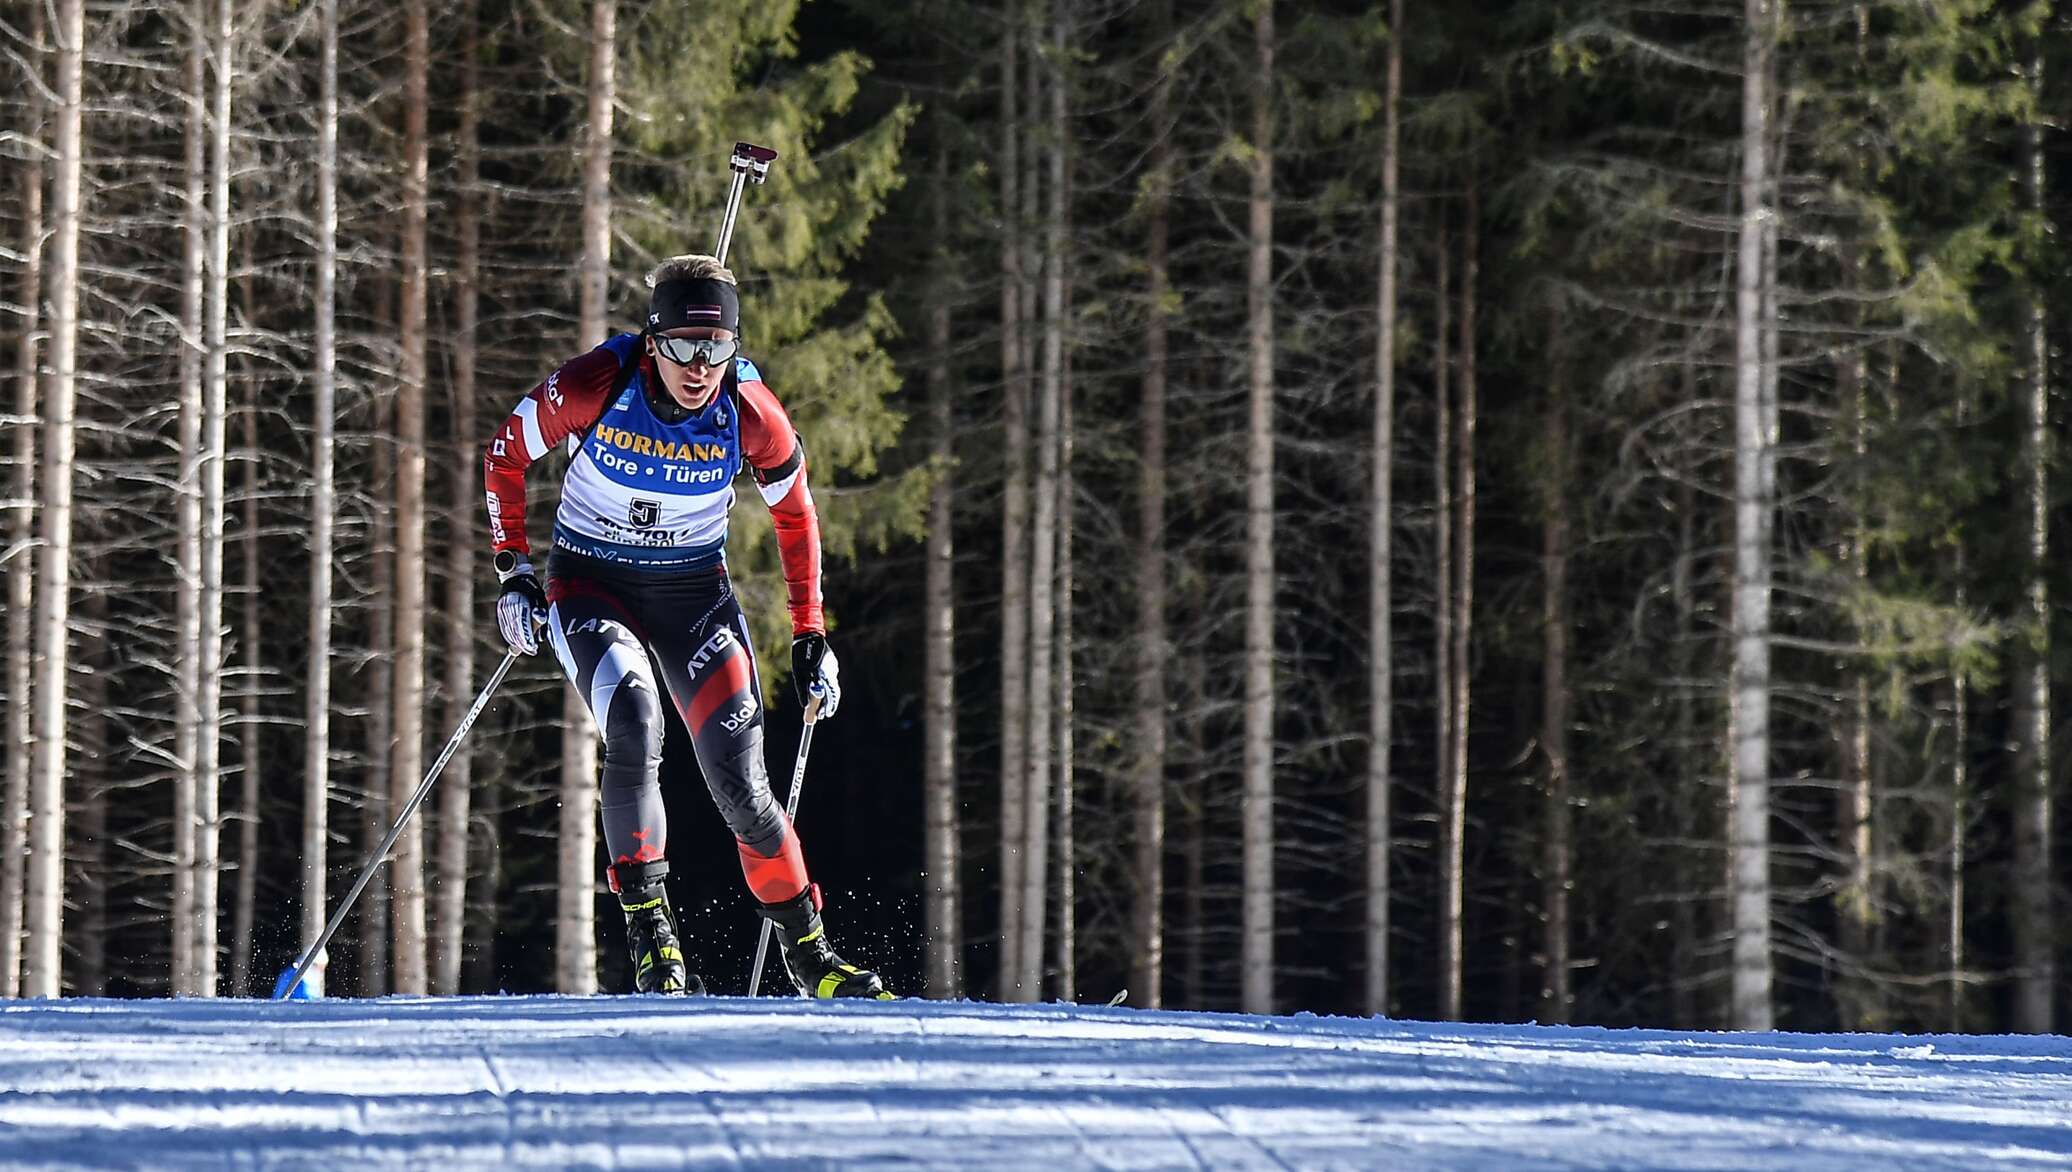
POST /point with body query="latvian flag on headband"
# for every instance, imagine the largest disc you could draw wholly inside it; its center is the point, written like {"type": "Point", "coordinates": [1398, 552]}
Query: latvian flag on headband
{"type": "Point", "coordinates": [694, 303]}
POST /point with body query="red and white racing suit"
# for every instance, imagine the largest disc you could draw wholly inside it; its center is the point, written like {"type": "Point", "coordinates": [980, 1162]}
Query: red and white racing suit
{"type": "Point", "coordinates": [640, 604]}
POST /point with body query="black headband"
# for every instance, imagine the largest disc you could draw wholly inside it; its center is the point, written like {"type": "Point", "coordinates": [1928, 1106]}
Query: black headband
{"type": "Point", "coordinates": [686, 301]}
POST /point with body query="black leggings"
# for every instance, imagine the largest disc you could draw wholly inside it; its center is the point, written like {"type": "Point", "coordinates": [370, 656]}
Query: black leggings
{"type": "Point", "coordinates": [615, 631]}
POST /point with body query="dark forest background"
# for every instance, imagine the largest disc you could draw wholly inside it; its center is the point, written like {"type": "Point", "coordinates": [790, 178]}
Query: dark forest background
{"type": "Point", "coordinates": [1092, 313]}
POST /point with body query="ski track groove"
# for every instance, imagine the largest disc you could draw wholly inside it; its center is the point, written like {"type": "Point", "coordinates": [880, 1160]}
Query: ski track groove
{"type": "Point", "coordinates": [1221, 1115]}
{"type": "Point", "coordinates": [1084, 1143]}
{"type": "Point", "coordinates": [1201, 1163]}
{"type": "Point", "coordinates": [713, 1109]}
{"type": "Point", "coordinates": [499, 1089]}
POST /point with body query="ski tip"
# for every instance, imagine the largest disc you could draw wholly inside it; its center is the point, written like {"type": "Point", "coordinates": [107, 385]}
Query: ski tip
{"type": "Point", "coordinates": [1116, 1000]}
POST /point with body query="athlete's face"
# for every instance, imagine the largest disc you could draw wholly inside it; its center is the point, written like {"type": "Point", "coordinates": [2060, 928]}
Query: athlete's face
{"type": "Point", "coordinates": [692, 384]}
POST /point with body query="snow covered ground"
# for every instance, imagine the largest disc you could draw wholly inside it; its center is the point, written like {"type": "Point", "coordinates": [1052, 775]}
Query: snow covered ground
{"type": "Point", "coordinates": [641, 1082]}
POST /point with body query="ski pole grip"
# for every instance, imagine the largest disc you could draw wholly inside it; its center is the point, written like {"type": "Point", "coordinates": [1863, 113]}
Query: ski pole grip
{"type": "Point", "coordinates": [748, 162]}
{"type": "Point", "coordinates": [754, 160]}
{"type": "Point", "coordinates": [816, 694]}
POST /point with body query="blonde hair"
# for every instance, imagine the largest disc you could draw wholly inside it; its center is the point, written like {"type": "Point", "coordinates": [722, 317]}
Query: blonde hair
{"type": "Point", "coordinates": [691, 266]}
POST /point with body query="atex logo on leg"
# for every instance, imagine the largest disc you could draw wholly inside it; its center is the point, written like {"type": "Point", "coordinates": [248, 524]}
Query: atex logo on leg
{"type": "Point", "coordinates": [713, 649]}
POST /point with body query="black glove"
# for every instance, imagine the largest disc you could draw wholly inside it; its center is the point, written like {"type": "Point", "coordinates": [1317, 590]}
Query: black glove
{"type": "Point", "coordinates": [519, 607]}
{"type": "Point", "coordinates": [814, 669]}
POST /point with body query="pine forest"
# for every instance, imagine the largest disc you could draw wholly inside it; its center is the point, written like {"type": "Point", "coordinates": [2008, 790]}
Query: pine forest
{"type": "Point", "coordinates": [1526, 510]}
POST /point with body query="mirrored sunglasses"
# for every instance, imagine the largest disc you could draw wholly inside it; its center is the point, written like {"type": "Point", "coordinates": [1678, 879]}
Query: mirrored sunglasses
{"type": "Point", "coordinates": [704, 351]}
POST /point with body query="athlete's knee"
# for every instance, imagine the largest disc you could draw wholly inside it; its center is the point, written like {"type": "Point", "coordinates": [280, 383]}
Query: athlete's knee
{"type": "Point", "coordinates": [632, 724]}
{"type": "Point", "coordinates": [741, 789]}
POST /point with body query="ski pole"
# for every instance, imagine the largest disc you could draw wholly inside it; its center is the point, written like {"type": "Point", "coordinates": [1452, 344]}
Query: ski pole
{"type": "Point", "coordinates": [750, 164]}
{"type": "Point", "coordinates": [791, 810]}
{"type": "Point", "coordinates": [417, 799]}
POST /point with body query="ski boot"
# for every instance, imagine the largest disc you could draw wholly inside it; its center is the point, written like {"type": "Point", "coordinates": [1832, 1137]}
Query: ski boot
{"type": "Point", "coordinates": [651, 931]}
{"type": "Point", "coordinates": [813, 965]}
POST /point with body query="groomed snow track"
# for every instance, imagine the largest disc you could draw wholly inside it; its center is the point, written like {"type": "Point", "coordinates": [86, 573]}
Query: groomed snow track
{"type": "Point", "coordinates": [652, 1083]}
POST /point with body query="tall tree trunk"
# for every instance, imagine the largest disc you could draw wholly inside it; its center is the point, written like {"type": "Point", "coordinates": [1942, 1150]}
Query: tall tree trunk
{"type": "Point", "coordinates": [1256, 953]}
{"type": "Point", "coordinates": [407, 902]}
{"type": "Point", "coordinates": [1454, 816]}
{"type": "Point", "coordinates": [1443, 668]}
{"type": "Point", "coordinates": [1769, 327]}
{"type": "Point", "coordinates": [187, 623]}
{"type": "Point", "coordinates": [1067, 849]}
{"type": "Point", "coordinates": [21, 532]}
{"type": "Point", "coordinates": [250, 757]}
{"type": "Point", "coordinates": [1381, 657]}
{"type": "Point", "coordinates": [945, 969]}
{"type": "Point", "coordinates": [2033, 916]}
{"type": "Point", "coordinates": [575, 935]}
{"type": "Point", "coordinates": [373, 908]}
{"type": "Point", "coordinates": [1043, 547]}
{"type": "Point", "coordinates": [449, 921]}
{"type": "Point", "coordinates": [208, 797]}
{"type": "Point", "coordinates": [46, 878]}
{"type": "Point", "coordinates": [1147, 784]}
{"type": "Point", "coordinates": [1067, 853]}
{"type": "Point", "coordinates": [1754, 515]}
{"type": "Point", "coordinates": [1960, 771]}
{"type": "Point", "coordinates": [1555, 999]}
{"type": "Point", "coordinates": [1855, 988]}
{"type": "Point", "coordinates": [323, 503]}
{"type": "Point", "coordinates": [575, 908]}
{"type": "Point", "coordinates": [1030, 232]}
{"type": "Point", "coordinates": [1014, 515]}
{"type": "Point", "coordinates": [1959, 813]}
